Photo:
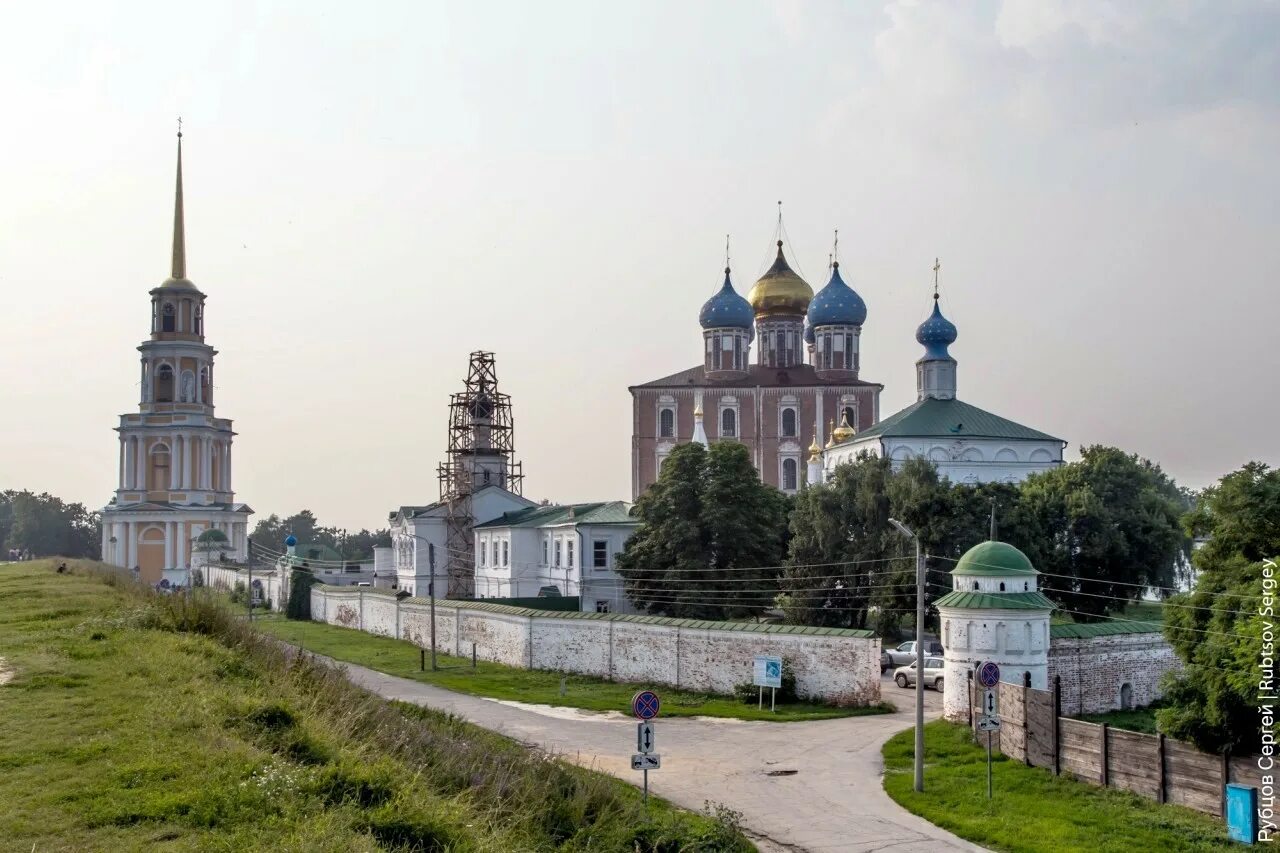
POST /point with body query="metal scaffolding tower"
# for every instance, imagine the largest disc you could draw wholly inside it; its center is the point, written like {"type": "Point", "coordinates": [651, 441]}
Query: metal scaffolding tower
{"type": "Point", "coordinates": [481, 446]}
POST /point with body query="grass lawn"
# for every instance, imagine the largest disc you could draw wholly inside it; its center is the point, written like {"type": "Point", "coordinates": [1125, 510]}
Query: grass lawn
{"type": "Point", "coordinates": [542, 687]}
{"type": "Point", "coordinates": [1137, 720]}
{"type": "Point", "coordinates": [1033, 810]}
{"type": "Point", "coordinates": [135, 721]}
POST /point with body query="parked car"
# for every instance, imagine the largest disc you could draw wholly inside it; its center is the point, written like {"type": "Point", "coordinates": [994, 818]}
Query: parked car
{"type": "Point", "coordinates": [905, 653]}
{"type": "Point", "coordinates": [905, 676]}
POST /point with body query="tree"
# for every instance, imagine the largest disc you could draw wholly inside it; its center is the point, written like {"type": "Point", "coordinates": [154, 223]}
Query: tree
{"type": "Point", "coordinates": [211, 542]}
{"type": "Point", "coordinates": [45, 525]}
{"type": "Point", "coordinates": [1217, 628]}
{"type": "Point", "coordinates": [271, 531]}
{"type": "Point", "coordinates": [1100, 528]}
{"type": "Point", "coordinates": [706, 518]}
{"type": "Point", "coordinates": [301, 579]}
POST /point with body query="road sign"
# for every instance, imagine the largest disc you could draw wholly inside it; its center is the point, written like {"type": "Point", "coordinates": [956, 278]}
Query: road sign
{"type": "Point", "coordinates": [640, 761]}
{"type": "Point", "coordinates": [989, 702]}
{"type": "Point", "coordinates": [767, 671]}
{"type": "Point", "coordinates": [989, 674]}
{"type": "Point", "coordinates": [988, 724]}
{"type": "Point", "coordinates": [645, 704]}
{"type": "Point", "coordinates": [644, 737]}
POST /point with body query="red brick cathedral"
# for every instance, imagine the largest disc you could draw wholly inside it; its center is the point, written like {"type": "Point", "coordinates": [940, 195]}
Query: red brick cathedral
{"type": "Point", "coordinates": [785, 403]}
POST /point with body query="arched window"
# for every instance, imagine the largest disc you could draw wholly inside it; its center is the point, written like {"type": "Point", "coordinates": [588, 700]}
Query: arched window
{"type": "Point", "coordinates": [167, 318]}
{"type": "Point", "coordinates": [1002, 586]}
{"type": "Point", "coordinates": [789, 423]}
{"type": "Point", "coordinates": [164, 384]}
{"type": "Point", "coordinates": [158, 470]}
{"type": "Point", "coordinates": [198, 326]}
{"type": "Point", "coordinates": [728, 423]}
{"type": "Point", "coordinates": [666, 423]}
{"type": "Point", "coordinates": [788, 475]}
{"type": "Point", "coordinates": [1126, 697]}
{"type": "Point", "coordinates": [204, 385]}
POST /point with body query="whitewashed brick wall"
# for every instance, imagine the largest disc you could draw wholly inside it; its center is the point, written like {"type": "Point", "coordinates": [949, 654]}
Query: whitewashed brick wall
{"type": "Point", "coordinates": [840, 668]}
{"type": "Point", "coordinates": [1094, 670]}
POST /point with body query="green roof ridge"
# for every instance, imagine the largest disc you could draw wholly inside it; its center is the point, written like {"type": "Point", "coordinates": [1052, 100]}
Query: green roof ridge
{"type": "Point", "coordinates": [932, 417]}
{"type": "Point", "coordinates": [964, 599]}
{"type": "Point", "coordinates": [1089, 630]}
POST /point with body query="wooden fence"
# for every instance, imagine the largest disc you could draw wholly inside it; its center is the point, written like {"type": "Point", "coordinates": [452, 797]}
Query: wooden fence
{"type": "Point", "coordinates": [1034, 731]}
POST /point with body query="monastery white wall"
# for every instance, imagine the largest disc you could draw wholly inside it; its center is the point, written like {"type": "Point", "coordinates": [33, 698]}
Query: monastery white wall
{"type": "Point", "coordinates": [225, 577]}
{"type": "Point", "coordinates": [1094, 670]}
{"type": "Point", "coordinates": [828, 667]}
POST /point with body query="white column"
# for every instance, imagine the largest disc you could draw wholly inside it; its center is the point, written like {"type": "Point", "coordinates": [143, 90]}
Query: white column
{"type": "Point", "coordinates": [130, 545]}
{"type": "Point", "coordinates": [120, 469]}
{"type": "Point", "coordinates": [186, 461]}
{"type": "Point", "coordinates": [228, 465]}
{"type": "Point", "coordinates": [140, 475]}
{"type": "Point", "coordinates": [168, 544]}
{"type": "Point", "coordinates": [126, 480]}
{"type": "Point", "coordinates": [206, 454]}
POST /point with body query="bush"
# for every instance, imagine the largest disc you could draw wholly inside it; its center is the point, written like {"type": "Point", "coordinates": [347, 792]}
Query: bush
{"type": "Point", "coordinates": [748, 694]}
{"type": "Point", "coordinates": [299, 606]}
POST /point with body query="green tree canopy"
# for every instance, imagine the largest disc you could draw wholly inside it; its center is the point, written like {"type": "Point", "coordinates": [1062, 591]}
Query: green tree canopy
{"type": "Point", "coordinates": [1100, 528]}
{"type": "Point", "coordinates": [1216, 628]}
{"type": "Point", "coordinates": [270, 533]}
{"type": "Point", "coordinates": [46, 525]}
{"type": "Point", "coordinates": [706, 518]}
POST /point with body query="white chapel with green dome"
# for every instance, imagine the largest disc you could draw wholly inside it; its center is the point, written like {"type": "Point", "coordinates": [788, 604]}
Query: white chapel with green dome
{"type": "Point", "coordinates": [994, 612]}
{"type": "Point", "coordinates": [967, 444]}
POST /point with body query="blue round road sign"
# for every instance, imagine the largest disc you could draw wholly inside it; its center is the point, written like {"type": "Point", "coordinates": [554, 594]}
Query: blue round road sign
{"type": "Point", "coordinates": [989, 674]}
{"type": "Point", "coordinates": [645, 704]}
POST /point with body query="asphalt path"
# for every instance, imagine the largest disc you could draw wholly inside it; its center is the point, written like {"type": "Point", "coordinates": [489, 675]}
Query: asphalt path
{"type": "Point", "coordinates": [800, 786]}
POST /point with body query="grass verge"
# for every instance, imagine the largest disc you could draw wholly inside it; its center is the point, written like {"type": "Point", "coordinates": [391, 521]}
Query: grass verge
{"type": "Point", "coordinates": [1137, 720]}
{"type": "Point", "coordinates": [541, 687]}
{"type": "Point", "coordinates": [1032, 810]}
{"type": "Point", "coordinates": [140, 721]}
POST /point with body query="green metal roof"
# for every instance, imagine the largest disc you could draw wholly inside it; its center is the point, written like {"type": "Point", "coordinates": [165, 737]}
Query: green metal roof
{"type": "Point", "coordinates": [612, 512]}
{"type": "Point", "coordinates": [1089, 630]}
{"type": "Point", "coordinates": [974, 600]}
{"type": "Point", "coordinates": [933, 418]}
{"type": "Point", "coordinates": [994, 559]}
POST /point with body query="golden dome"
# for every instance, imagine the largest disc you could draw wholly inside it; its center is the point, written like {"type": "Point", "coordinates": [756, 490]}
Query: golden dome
{"type": "Point", "coordinates": [831, 439]}
{"type": "Point", "coordinates": [844, 432]}
{"type": "Point", "coordinates": [780, 291]}
{"type": "Point", "coordinates": [815, 452]}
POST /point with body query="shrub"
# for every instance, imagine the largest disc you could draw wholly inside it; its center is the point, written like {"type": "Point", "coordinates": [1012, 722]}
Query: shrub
{"type": "Point", "coordinates": [748, 694]}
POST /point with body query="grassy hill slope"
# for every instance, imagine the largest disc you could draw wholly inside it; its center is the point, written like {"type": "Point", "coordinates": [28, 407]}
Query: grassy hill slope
{"type": "Point", "coordinates": [139, 721]}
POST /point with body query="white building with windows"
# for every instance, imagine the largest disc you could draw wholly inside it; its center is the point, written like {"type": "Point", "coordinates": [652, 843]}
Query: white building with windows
{"type": "Point", "coordinates": [419, 537]}
{"type": "Point", "coordinates": [967, 444]}
{"type": "Point", "coordinates": [557, 550]}
{"type": "Point", "coordinates": [174, 468]}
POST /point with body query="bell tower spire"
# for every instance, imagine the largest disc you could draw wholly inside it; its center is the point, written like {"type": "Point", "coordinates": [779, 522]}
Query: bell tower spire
{"type": "Point", "coordinates": [179, 270]}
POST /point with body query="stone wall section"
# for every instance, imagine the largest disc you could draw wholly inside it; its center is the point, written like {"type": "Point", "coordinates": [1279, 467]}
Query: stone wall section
{"type": "Point", "coordinates": [837, 668]}
{"type": "Point", "coordinates": [1095, 670]}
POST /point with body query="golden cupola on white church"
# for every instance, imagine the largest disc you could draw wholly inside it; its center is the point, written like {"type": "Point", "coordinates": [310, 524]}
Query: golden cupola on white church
{"type": "Point", "coordinates": [173, 495]}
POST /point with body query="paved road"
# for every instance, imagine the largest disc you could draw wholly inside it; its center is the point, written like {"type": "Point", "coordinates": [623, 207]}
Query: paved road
{"type": "Point", "coordinates": [812, 786]}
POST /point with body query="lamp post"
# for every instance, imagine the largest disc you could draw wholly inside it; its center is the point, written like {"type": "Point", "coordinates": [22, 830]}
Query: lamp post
{"type": "Point", "coordinates": [919, 762]}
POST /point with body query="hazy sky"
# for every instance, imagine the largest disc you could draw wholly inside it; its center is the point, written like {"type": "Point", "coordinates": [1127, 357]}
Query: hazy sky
{"type": "Point", "coordinates": [374, 190]}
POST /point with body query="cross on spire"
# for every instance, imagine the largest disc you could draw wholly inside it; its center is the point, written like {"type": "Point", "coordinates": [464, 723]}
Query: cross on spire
{"type": "Point", "coordinates": [835, 249]}
{"type": "Point", "coordinates": [178, 270]}
{"type": "Point", "coordinates": [726, 253]}
{"type": "Point", "coordinates": [936, 266]}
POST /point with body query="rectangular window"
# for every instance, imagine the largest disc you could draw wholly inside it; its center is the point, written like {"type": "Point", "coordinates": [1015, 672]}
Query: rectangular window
{"type": "Point", "coordinates": [602, 607]}
{"type": "Point", "coordinates": [559, 551]}
{"type": "Point", "coordinates": [484, 550]}
{"type": "Point", "coordinates": [505, 552]}
{"type": "Point", "coordinates": [569, 543]}
{"type": "Point", "coordinates": [600, 554]}
{"type": "Point", "coordinates": [544, 552]}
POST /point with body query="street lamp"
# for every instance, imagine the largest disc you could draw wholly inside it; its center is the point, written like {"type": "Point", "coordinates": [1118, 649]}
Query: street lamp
{"type": "Point", "coordinates": [919, 763]}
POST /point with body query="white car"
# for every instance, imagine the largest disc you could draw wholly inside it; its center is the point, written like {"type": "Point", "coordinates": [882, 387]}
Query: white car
{"type": "Point", "coordinates": [905, 676]}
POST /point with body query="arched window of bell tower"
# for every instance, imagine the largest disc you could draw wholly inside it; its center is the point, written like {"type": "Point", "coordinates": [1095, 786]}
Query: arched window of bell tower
{"type": "Point", "coordinates": [158, 469]}
{"type": "Point", "coordinates": [168, 317]}
{"type": "Point", "coordinates": [204, 385]}
{"type": "Point", "coordinates": [198, 326]}
{"type": "Point", "coordinates": [164, 384]}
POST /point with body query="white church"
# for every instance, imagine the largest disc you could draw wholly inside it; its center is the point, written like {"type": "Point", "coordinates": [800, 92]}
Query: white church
{"type": "Point", "coordinates": [966, 443]}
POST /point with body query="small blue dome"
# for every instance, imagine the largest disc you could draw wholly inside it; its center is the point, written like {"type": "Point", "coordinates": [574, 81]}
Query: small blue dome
{"type": "Point", "coordinates": [290, 540]}
{"type": "Point", "coordinates": [726, 309]}
{"type": "Point", "coordinates": [936, 334]}
{"type": "Point", "coordinates": [837, 304]}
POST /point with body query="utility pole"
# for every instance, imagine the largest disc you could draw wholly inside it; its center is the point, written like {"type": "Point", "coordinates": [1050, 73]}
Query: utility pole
{"type": "Point", "coordinates": [431, 590]}
{"type": "Point", "coordinates": [919, 758]}
{"type": "Point", "coordinates": [249, 560]}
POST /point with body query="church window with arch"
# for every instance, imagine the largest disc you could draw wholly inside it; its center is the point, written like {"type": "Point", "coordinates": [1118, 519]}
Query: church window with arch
{"type": "Point", "coordinates": [789, 422]}
{"type": "Point", "coordinates": [789, 475]}
{"type": "Point", "coordinates": [164, 384]}
{"type": "Point", "coordinates": [728, 423]}
{"type": "Point", "coordinates": [666, 423]}
{"type": "Point", "coordinates": [168, 317]}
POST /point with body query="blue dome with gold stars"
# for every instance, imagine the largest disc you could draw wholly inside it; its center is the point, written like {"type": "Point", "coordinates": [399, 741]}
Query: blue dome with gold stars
{"type": "Point", "coordinates": [727, 309]}
{"type": "Point", "coordinates": [936, 334]}
{"type": "Point", "coordinates": [837, 304]}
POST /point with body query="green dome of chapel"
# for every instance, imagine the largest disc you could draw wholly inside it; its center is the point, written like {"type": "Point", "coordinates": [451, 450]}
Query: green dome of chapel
{"type": "Point", "coordinates": [991, 559]}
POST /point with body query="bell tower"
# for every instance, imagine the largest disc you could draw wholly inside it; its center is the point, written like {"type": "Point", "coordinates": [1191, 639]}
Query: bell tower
{"type": "Point", "coordinates": [174, 471]}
